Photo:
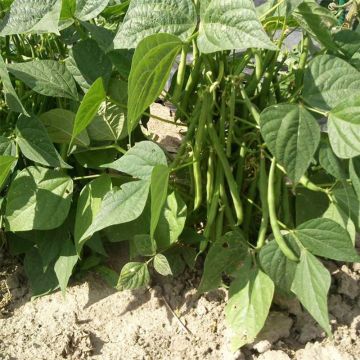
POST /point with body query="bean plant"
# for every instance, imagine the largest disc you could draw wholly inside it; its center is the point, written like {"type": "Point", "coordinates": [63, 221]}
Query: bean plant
{"type": "Point", "coordinates": [264, 188]}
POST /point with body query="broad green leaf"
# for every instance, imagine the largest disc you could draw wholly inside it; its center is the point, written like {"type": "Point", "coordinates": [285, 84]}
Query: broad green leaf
{"type": "Point", "coordinates": [96, 244]}
{"type": "Point", "coordinates": [292, 135]}
{"type": "Point", "coordinates": [89, 107]}
{"type": "Point", "coordinates": [330, 162]}
{"type": "Point", "coordinates": [46, 77]}
{"type": "Point", "coordinates": [108, 275]}
{"type": "Point", "coordinates": [224, 256]}
{"type": "Point", "coordinates": [86, 72]}
{"type": "Point", "coordinates": [318, 21]}
{"type": "Point", "coordinates": [148, 17]}
{"type": "Point", "coordinates": [41, 281]}
{"type": "Point", "coordinates": [11, 98]}
{"type": "Point", "coordinates": [326, 238]}
{"type": "Point", "coordinates": [95, 159]}
{"type": "Point", "coordinates": [35, 144]}
{"type": "Point", "coordinates": [109, 124]}
{"type": "Point", "coordinates": [33, 16]}
{"type": "Point", "coordinates": [161, 265]}
{"type": "Point", "coordinates": [229, 25]}
{"type": "Point", "coordinates": [88, 206]}
{"type": "Point", "coordinates": [329, 80]}
{"type": "Point", "coordinates": [68, 8]}
{"type": "Point", "coordinates": [346, 199]}
{"type": "Point", "coordinates": [311, 286]}
{"type": "Point", "coordinates": [89, 9]}
{"type": "Point", "coordinates": [344, 127]}
{"type": "Point", "coordinates": [158, 191]}
{"type": "Point", "coordinates": [103, 37]}
{"type": "Point", "coordinates": [49, 243]}
{"type": "Point", "coordinates": [275, 264]}
{"type": "Point", "coordinates": [6, 164]}
{"type": "Point", "coordinates": [35, 193]}
{"type": "Point", "coordinates": [171, 222]}
{"type": "Point", "coordinates": [133, 276]}
{"type": "Point", "coordinates": [354, 171]}
{"type": "Point", "coordinates": [348, 41]}
{"type": "Point", "coordinates": [120, 206]}
{"type": "Point", "coordinates": [250, 298]}
{"type": "Point", "coordinates": [335, 213]}
{"type": "Point", "coordinates": [140, 160]}
{"type": "Point", "coordinates": [291, 5]}
{"type": "Point", "coordinates": [65, 264]}
{"type": "Point", "coordinates": [151, 66]}
{"type": "Point", "coordinates": [7, 147]}
{"type": "Point", "coordinates": [122, 60]}
{"type": "Point", "coordinates": [59, 124]}
{"type": "Point", "coordinates": [144, 245]}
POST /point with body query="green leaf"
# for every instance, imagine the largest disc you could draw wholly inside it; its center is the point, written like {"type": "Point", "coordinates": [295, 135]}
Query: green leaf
{"type": "Point", "coordinates": [31, 16]}
{"type": "Point", "coordinates": [161, 265]}
{"type": "Point", "coordinates": [89, 9]}
{"type": "Point", "coordinates": [65, 264]}
{"type": "Point", "coordinates": [347, 201]}
{"type": "Point", "coordinates": [311, 286]}
{"type": "Point", "coordinates": [148, 17]}
{"type": "Point", "coordinates": [120, 206]}
{"type": "Point", "coordinates": [7, 147]}
{"type": "Point", "coordinates": [46, 77]}
{"type": "Point", "coordinates": [140, 160]}
{"type": "Point", "coordinates": [158, 191]}
{"type": "Point", "coordinates": [95, 159]}
{"type": "Point", "coordinates": [326, 238]}
{"type": "Point", "coordinates": [224, 256]}
{"type": "Point", "coordinates": [143, 245]}
{"type": "Point", "coordinates": [151, 66]}
{"type": "Point", "coordinates": [348, 41]}
{"type": "Point", "coordinates": [109, 124]}
{"type": "Point", "coordinates": [335, 213]}
{"type": "Point", "coordinates": [35, 144]}
{"type": "Point", "coordinates": [11, 98]}
{"type": "Point", "coordinates": [354, 171]}
{"type": "Point", "coordinates": [328, 80]}
{"type": "Point", "coordinates": [49, 243]}
{"type": "Point", "coordinates": [88, 206]}
{"type": "Point", "coordinates": [67, 9]}
{"type": "Point", "coordinates": [108, 275]}
{"type": "Point", "coordinates": [59, 124]}
{"type": "Point", "coordinates": [318, 21]}
{"type": "Point", "coordinates": [275, 264]}
{"type": "Point", "coordinates": [41, 281]}
{"type": "Point", "coordinates": [89, 107]}
{"type": "Point", "coordinates": [6, 164]}
{"type": "Point", "coordinates": [103, 37]}
{"type": "Point", "coordinates": [292, 135]}
{"type": "Point", "coordinates": [133, 276]}
{"type": "Point", "coordinates": [344, 127]}
{"type": "Point", "coordinates": [35, 193]}
{"type": "Point", "coordinates": [86, 72]}
{"type": "Point", "coordinates": [250, 298]}
{"type": "Point", "coordinates": [229, 25]}
{"type": "Point", "coordinates": [330, 162]}
{"type": "Point", "coordinates": [171, 222]}
{"type": "Point", "coordinates": [96, 244]}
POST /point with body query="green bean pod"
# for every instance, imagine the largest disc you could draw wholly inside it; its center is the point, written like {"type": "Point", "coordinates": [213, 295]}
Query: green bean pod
{"type": "Point", "coordinates": [273, 217]}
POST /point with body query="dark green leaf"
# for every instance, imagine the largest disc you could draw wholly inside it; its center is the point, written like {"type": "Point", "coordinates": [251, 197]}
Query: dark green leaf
{"type": "Point", "coordinates": [292, 135]}
{"type": "Point", "coordinates": [311, 286]}
{"type": "Point", "coordinates": [224, 256]}
{"type": "Point", "coordinates": [151, 66]}
{"type": "Point", "coordinates": [35, 144]}
{"type": "Point", "coordinates": [354, 170]}
{"type": "Point", "coordinates": [88, 206]}
{"type": "Point", "coordinates": [89, 9]}
{"type": "Point", "coordinates": [6, 164]}
{"type": "Point", "coordinates": [47, 77]}
{"type": "Point", "coordinates": [144, 245]}
{"type": "Point", "coordinates": [148, 17]}
{"type": "Point", "coordinates": [326, 238]}
{"type": "Point", "coordinates": [133, 276]}
{"type": "Point", "coordinates": [328, 81]}
{"type": "Point", "coordinates": [250, 298]}
{"type": "Point", "coordinates": [330, 162]}
{"type": "Point", "coordinates": [34, 194]}
{"type": "Point", "coordinates": [65, 264]}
